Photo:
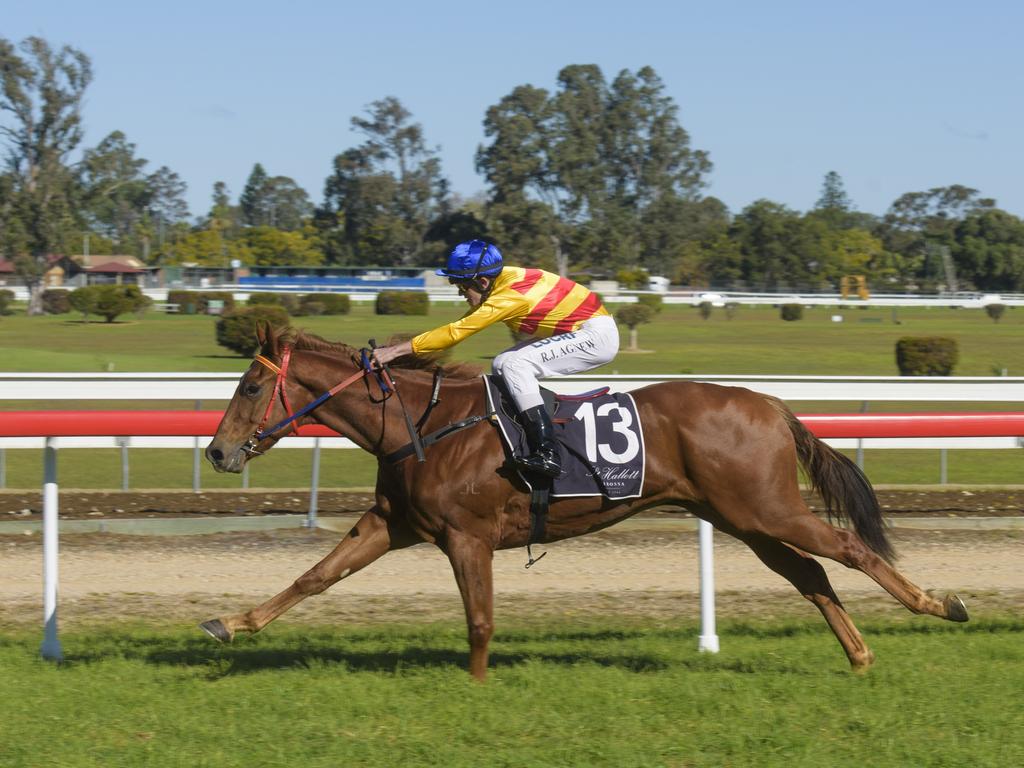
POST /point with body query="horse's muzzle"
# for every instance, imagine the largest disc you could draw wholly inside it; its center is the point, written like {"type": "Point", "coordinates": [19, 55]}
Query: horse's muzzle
{"type": "Point", "coordinates": [232, 462]}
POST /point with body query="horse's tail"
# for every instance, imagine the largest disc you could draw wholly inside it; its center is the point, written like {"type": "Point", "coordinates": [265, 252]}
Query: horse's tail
{"type": "Point", "coordinates": [840, 483]}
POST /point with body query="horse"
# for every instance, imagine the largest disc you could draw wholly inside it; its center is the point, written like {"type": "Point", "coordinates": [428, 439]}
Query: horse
{"type": "Point", "coordinates": [725, 454]}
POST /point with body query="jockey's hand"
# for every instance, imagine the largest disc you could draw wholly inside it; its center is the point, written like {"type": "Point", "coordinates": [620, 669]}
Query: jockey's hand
{"type": "Point", "coordinates": [384, 355]}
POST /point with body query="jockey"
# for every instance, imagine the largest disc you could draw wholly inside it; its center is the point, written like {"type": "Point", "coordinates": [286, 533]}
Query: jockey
{"type": "Point", "coordinates": [568, 331]}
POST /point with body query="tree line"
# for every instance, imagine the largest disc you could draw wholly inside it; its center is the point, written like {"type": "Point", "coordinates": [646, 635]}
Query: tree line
{"type": "Point", "coordinates": [591, 177]}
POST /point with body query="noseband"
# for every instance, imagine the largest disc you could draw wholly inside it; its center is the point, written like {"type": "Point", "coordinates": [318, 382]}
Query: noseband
{"type": "Point", "coordinates": [279, 391]}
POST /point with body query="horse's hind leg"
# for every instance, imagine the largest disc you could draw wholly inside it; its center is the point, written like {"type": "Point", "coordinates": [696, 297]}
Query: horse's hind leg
{"type": "Point", "coordinates": [815, 536]}
{"type": "Point", "coordinates": [806, 574]}
{"type": "Point", "coordinates": [368, 540]}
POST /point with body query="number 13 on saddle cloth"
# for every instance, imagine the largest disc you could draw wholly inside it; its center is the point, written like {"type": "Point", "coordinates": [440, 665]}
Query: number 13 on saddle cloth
{"type": "Point", "coordinates": [600, 438]}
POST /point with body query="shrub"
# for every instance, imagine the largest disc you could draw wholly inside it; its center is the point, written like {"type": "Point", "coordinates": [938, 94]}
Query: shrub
{"type": "Point", "coordinates": [652, 300]}
{"type": "Point", "coordinates": [926, 355]}
{"type": "Point", "coordinates": [187, 301]}
{"type": "Point", "coordinates": [323, 304]}
{"type": "Point", "coordinates": [6, 298]}
{"type": "Point", "coordinates": [55, 301]}
{"type": "Point", "coordinates": [791, 312]}
{"type": "Point", "coordinates": [287, 301]}
{"type": "Point", "coordinates": [311, 308]}
{"type": "Point", "coordinates": [705, 308]}
{"type": "Point", "coordinates": [236, 329]}
{"type": "Point", "coordinates": [402, 303]}
{"type": "Point", "coordinates": [108, 301]}
{"type": "Point", "coordinates": [731, 309]}
{"type": "Point", "coordinates": [995, 311]}
{"type": "Point", "coordinates": [334, 303]}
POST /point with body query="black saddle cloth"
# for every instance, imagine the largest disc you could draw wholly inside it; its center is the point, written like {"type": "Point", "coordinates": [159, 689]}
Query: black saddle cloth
{"type": "Point", "coordinates": [599, 434]}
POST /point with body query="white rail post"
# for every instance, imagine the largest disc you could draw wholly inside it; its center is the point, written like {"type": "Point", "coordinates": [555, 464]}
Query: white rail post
{"type": "Point", "coordinates": [708, 637]}
{"type": "Point", "coordinates": [195, 457]}
{"type": "Point", "coordinates": [314, 485]}
{"type": "Point", "coordinates": [51, 648]}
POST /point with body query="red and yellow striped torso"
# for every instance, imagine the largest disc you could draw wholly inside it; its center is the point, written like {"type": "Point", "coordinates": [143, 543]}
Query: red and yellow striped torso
{"type": "Point", "coordinates": [531, 302]}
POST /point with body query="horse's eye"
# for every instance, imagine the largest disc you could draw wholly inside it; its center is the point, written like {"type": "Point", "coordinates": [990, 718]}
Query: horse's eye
{"type": "Point", "coordinates": [251, 390]}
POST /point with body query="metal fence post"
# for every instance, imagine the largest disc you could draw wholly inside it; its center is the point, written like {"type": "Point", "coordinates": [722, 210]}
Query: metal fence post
{"type": "Point", "coordinates": [195, 457]}
{"type": "Point", "coordinates": [3, 468]}
{"type": "Point", "coordinates": [123, 443]}
{"type": "Point", "coordinates": [51, 648]}
{"type": "Point", "coordinates": [314, 485]}
{"type": "Point", "coordinates": [860, 442]}
{"type": "Point", "coordinates": [708, 637]}
{"type": "Point", "coordinates": [943, 466]}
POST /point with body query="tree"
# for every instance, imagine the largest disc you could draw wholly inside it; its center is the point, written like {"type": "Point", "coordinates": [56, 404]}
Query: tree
{"type": "Point", "coordinates": [921, 225]}
{"type": "Point", "coordinates": [384, 194]}
{"type": "Point", "coordinates": [631, 316]}
{"type": "Point", "coordinates": [834, 204]}
{"type": "Point", "coordinates": [252, 201]}
{"type": "Point", "coordinates": [42, 89]}
{"type": "Point", "coordinates": [114, 187]}
{"type": "Point", "coordinates": [989, 250]}
{"type": "Point", "coordinates": [273, 202]}
{"type": "Point", "coordinates": [606, 162]}
{"type": "Point", "coordinates": [268, 246]}
{"type": "Point", "coordinates": [108, 301]}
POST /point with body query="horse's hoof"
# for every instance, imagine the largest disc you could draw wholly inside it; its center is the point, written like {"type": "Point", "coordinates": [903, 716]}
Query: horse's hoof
{"type": "Point", "coordinates": [215, 628]}
{"type": "Point", "coordinates": [862, 663]}
{"type": "Point", "coordinates": [955, 608]}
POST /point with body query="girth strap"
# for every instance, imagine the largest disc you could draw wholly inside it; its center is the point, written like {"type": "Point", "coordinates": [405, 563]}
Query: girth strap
{"type": "Point", "coordinates": [409, 449]}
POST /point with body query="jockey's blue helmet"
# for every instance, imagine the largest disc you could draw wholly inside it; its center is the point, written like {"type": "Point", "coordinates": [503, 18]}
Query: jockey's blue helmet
{"type": "Point", "coordinates": [472, 259]}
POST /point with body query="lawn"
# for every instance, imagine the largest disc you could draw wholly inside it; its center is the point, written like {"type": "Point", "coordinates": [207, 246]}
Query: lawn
{"type": "Point", "coordinates": [562, 693]}
{"type": "Point", "coordinates": [677, 341]}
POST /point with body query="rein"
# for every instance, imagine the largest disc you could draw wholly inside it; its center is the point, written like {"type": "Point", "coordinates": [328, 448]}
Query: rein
{"type": "Point", "coordinates": [384, 380]}
{"type": "Point", "coordinates": [279, 390]}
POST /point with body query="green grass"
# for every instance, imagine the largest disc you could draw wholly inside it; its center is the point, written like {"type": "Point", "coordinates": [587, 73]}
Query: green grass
{"type": "Point", "coordinates": [568, 694]}
{"type": "Point", "coordinates": [755, 341]}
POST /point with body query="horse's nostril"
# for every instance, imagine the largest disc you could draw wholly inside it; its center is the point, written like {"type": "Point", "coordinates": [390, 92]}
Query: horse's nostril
{"type": "Point", "coordinates": [214, 454]}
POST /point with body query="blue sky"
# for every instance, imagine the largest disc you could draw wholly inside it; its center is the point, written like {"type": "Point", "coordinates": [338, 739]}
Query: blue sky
{"type": "Point", "coordinates": [895, 96]}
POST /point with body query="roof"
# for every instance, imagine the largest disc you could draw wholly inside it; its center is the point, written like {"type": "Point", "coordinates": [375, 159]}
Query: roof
{"type": "Point", "coordinates": [112, 266]}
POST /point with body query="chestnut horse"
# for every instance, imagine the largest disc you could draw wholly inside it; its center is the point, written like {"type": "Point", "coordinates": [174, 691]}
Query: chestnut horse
{"type": "Point", "coordinates": [725, 454]}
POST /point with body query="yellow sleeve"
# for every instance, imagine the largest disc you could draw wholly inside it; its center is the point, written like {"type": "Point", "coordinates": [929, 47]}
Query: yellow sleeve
{"type": "Point", "coordinates": [486, 314]}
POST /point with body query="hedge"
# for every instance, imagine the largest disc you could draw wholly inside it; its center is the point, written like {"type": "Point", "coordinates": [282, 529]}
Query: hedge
{"type": "Point", "coordinates": [402, 303]}
{"type": "Point", "coordinates": [55, 301]}
{"type": "Point", "coordinates": [926, 355]}
{"type": "Point", "coordinates": [791, 312]}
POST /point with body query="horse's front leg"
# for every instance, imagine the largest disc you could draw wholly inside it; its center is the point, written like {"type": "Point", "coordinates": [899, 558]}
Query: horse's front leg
{"type": "Point", "coordinates": [368, 540]}
{"type": "Point", "coordinates": [472, 561]}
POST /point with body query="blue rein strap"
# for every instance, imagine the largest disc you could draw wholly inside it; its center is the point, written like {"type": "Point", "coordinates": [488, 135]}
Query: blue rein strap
{"type": "Point", "coordinates": [364, 355]}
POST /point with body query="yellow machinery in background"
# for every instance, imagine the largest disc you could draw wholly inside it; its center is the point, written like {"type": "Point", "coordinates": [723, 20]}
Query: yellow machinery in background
{"type": "Point", "coordinates": [847, 283]}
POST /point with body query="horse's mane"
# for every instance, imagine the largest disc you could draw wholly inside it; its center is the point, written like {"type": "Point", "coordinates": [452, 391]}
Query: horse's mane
{"type": "Point", "coordinates": [299, 339]}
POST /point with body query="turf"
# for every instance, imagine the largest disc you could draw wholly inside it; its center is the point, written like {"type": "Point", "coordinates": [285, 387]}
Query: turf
{"type": "Point", "coordinates": [778, 694]}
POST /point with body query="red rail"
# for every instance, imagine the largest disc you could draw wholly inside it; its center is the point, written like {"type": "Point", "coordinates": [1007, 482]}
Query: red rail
{"type": "Point", "coordinates": [122, 424]}
{"type": "Point", "coordinates": [204, 423]}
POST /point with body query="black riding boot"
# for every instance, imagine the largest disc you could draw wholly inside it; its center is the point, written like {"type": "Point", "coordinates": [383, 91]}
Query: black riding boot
{"type": "Point", "coordinates": [540, 436]}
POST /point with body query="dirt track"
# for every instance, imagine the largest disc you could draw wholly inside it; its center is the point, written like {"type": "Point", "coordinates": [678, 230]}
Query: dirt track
{"type": "Point", "coordinates": [14, 505]}
{"type": "Point", "coordinates": [632, 570]}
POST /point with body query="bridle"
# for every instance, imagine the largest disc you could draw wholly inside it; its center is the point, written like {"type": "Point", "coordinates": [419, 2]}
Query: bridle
{"type": "Point", "coordinates": [261, 432]}
{"type": "Point", "coordinates": [384, 380]}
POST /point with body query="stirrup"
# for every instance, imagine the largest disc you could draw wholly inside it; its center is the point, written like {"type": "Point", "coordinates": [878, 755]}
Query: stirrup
{"type": "Point", "coordinates": [537, 462]}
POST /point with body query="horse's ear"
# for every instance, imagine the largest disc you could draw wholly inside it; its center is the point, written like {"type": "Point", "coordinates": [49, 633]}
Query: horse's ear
{"type": "Point", "coordinates": [262, 330]}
